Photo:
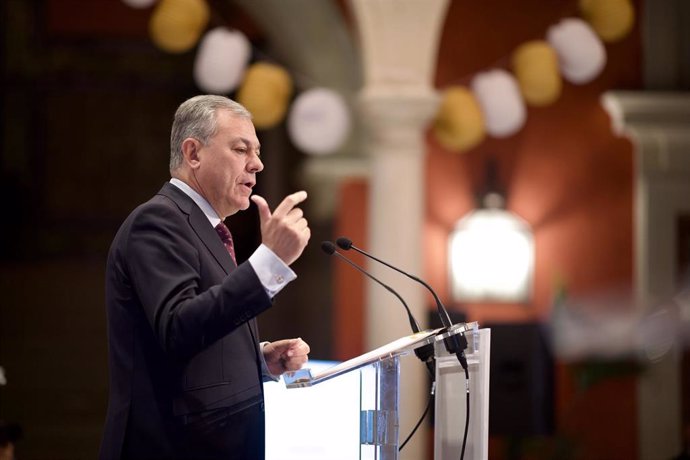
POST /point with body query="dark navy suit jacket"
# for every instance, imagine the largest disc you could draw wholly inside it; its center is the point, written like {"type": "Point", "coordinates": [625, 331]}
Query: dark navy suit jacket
{"type": "Point", "coordinates": [181, 330]}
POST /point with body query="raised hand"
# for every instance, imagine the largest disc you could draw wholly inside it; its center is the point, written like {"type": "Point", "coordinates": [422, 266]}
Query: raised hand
{"type": "Point", "coordinates": [285, 230]}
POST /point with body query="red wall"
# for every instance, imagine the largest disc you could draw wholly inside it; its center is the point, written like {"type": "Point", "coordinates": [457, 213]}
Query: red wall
{"type": "Point", "coordinates": [571, 178]}
{"type": "Point", "coordinates": [565, 173]}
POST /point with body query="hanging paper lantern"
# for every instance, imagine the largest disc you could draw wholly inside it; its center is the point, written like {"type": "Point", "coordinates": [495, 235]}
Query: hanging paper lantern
{"type": "Point", "coordinates": [139, 3]}
{"type": "Point", "coordinates": [319, 121]}
{"type": "Point", "coordinates": [610, 19]}
{"type": "Point", "coordinates": [499, 97]}
{"type": "Point", "coordinates": [221, 60]}
{"type": "Point", "coordinates": [176, 25]}
{"type": "Point", "coordinates": [459, 125]}
{"type": "Point", "coordinates": [265, 92]}
{"type": "Point", "coordinates": [535, 65]}
{"type": "Point", "coordinates": [581, 55]}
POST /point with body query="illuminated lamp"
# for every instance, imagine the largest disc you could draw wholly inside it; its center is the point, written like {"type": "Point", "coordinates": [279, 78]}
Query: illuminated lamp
{"type": "Point", "coordinates": [491, 254]}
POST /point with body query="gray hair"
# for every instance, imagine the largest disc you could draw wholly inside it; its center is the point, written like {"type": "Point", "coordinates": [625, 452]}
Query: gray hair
{"type": "Point", "coordinates": [196, 117]}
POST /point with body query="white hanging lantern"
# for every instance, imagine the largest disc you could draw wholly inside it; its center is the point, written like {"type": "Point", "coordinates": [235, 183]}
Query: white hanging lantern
{"type": "Point", "coordinates": [581, 55]}
{"type": "Point", "coordinates": [499, 97]}
{"type": "Point", "coordinates": [221, 60]}
{"type": "Point", "coordinates": [319, 121]}
{"type": "Point", "coordinates": [139, 4]}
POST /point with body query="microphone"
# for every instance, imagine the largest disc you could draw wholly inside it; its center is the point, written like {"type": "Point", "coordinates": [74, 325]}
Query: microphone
{"type": "Point", "coordinates": [425, 353]}
{"type": "Point", "coordinates": [454, 344]}
{"type": "Point", "coordinates": [329, 248]}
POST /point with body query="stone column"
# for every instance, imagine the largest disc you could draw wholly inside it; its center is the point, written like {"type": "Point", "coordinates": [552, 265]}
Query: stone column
{"type": "Point", "coordinates": [399, 42]}
{"type": "Point", "coordinates": [658, 124]}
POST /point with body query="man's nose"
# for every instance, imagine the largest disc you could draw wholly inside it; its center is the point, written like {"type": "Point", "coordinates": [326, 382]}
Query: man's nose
{"type": "Point", "coordinates": [255, 164]}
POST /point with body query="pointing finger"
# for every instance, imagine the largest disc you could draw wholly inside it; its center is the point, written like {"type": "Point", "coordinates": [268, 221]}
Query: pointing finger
{"type": "Point", "coordinates": [290, 202]}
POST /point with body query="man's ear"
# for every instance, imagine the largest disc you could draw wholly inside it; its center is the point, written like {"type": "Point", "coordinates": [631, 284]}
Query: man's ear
{"type": "Point", "coordinates": [190, 152]}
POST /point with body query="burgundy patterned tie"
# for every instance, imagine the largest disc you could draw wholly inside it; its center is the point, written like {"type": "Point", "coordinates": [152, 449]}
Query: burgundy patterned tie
{"type": "Point", "coordinates": [226, 237]}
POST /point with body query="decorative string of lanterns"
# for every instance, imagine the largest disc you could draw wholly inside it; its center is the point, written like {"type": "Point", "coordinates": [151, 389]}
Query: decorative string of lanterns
{"type": "Point", "coordinates": [266, 92]}
{"type": "Point", "coordinates": [221, 60]}
{"type": "Point", "coordinates": [176, 25]}
{"type": "Point", "coordinates": [535, 65]}
{"type": "Point", "coordinates": [573, 50]}
{"type": "Point", "coordinates": [319, 122]}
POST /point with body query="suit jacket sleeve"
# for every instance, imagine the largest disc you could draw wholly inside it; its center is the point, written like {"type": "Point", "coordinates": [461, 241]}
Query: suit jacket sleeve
{"type": "Point", "coordinates": [187, 297]}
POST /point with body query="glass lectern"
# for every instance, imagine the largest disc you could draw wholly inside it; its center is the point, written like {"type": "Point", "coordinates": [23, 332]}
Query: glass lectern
{"type": "Point", "coordinates": [379, 377]}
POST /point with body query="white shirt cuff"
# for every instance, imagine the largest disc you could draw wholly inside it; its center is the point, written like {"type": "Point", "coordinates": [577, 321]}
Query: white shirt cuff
{"type": "Point", "coordinates": [267, 376]}
{"type": "Point", "coordinates": [273, 273]}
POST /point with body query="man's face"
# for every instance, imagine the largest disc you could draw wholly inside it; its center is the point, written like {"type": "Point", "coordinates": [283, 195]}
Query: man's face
{"type": "Point", "coordinates": [228, 164]}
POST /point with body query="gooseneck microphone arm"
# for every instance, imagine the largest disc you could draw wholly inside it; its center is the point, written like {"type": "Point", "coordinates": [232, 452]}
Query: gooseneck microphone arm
{"type": "Point", "coordinates": [425, 353]}
{"type": "Point", "coordinates": [346, 244]}
{"type": "Point", "coordinates": [329, 248]}
{"type": "Point", "coordinates": [455, 344]}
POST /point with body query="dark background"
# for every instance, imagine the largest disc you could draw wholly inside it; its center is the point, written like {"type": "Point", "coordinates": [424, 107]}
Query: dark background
{"type": "Point", "coordinates": [85, 138]}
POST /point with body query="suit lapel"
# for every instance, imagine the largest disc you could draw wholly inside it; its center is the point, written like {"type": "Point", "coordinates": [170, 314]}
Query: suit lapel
{"type": "Point", "coordinates": [201, 226]}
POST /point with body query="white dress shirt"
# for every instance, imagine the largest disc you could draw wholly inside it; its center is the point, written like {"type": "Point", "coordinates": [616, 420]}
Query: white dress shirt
{"type": "Point", "coordinates": [273, 273]}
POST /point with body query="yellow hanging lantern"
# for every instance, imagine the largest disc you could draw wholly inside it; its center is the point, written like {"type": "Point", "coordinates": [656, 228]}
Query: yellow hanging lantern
{"type": "Point", "coordinates": [459, 124]}
{"type": "Point", "coordinates": [176, 25]}
{"type": "Point", "coordinates": [535, 65]}
{"type": "Point", "coordinates": [611, 19]}
{"type": "Point", "coordinates": [265, 92]}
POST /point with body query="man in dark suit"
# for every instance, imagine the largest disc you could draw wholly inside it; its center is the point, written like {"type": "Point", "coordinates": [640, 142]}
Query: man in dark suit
{"type": "Point", "coordinates": [186, 366]}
